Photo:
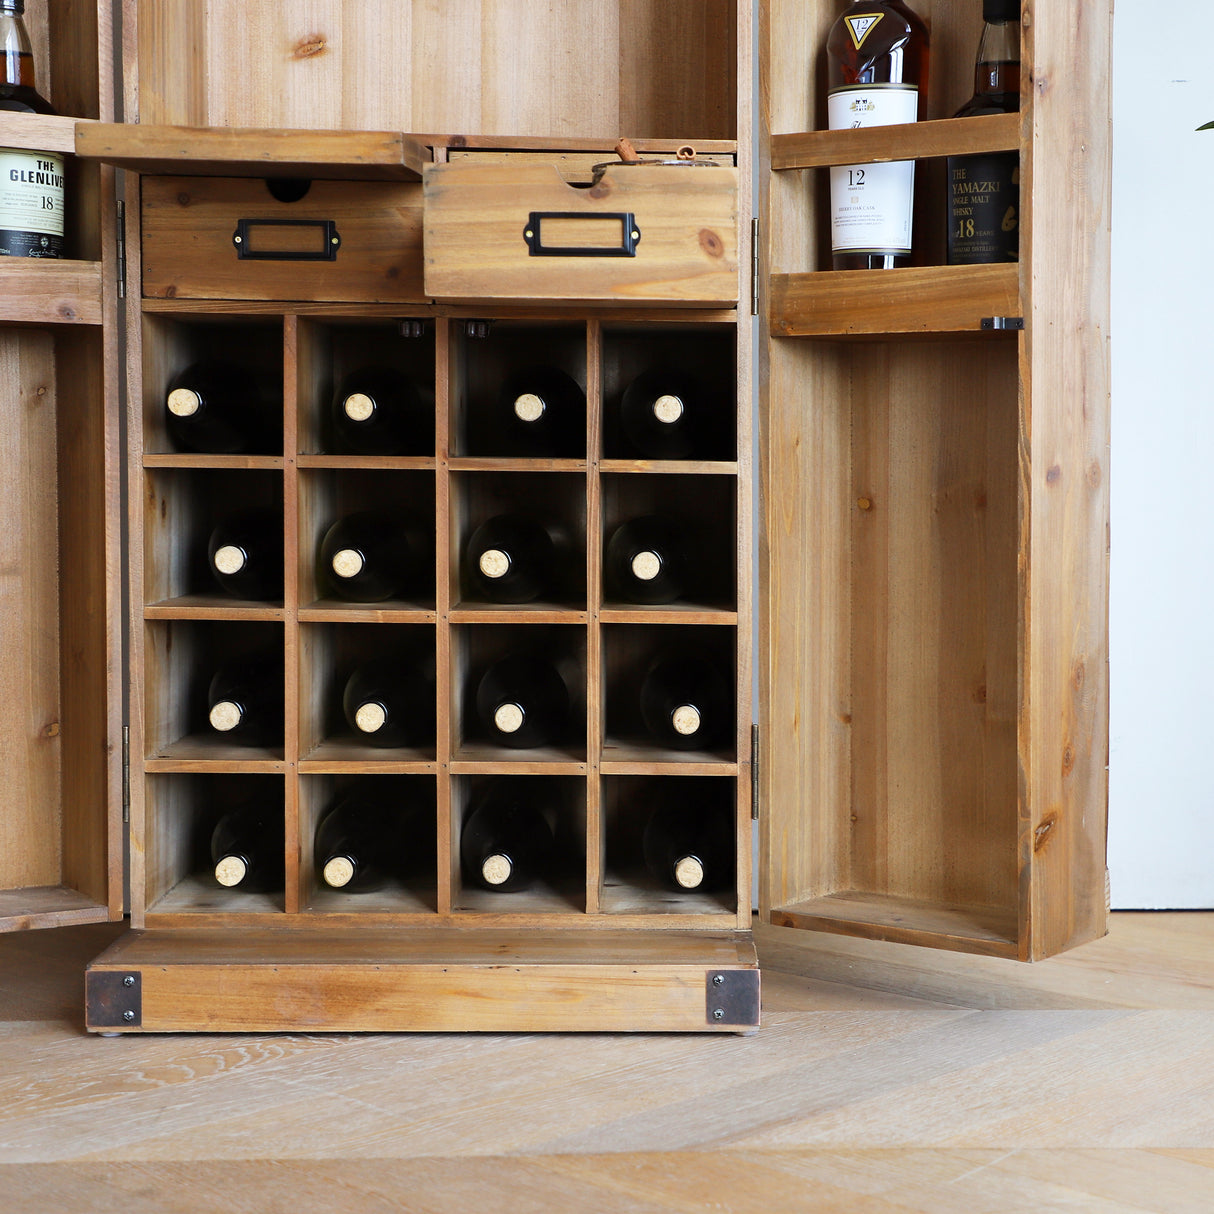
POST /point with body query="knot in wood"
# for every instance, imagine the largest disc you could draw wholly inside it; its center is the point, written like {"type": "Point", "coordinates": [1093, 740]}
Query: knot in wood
{"type": "Point", "coordinates": [711, 243]}
{"type": "Point", "coordinates": [310, 46]}
{"type": "Point", "coordinates": [1042, 833]}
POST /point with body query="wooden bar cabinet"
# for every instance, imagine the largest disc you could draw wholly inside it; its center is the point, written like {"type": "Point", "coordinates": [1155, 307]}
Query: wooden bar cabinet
{"type": "Point", "coordinates": [923, 614]}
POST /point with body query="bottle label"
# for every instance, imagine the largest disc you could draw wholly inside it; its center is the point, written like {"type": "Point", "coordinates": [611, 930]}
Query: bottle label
{"type": "Point", "coordinates": [31, 204]}
{"type": "Point", "coordinates": [984, 209]}
{"type": "Point", "coordinates": [872, 204]}
{"type": "Point", "coordinates": [861, 25]}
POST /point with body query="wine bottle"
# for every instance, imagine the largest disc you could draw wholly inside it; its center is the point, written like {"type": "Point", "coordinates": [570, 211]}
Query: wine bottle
{"type": "Point", "coordinates": [245, 554]}
{"type": "Point", "coordinates": [248, 847]}
{"type": "Point", "coordinates": [543, 412]}
{"type": "Point", "coordinates": [512, 558]}
{"type": "Point", "coordinates": [688, 841]}
{"type": "Point", "coordinates": [390, 703]}
{"type": "Point", "coordinates": [370, 836]}
{"type": "Point", "coordinates": [31, 182]}
{"type": "Point", "coordinates": [523, 701]}
{"type": "Point", "coordinates": [216, 408]}
{"type": "Point", "coordinates": [370, 556]}
{"type": "Point", "coordinates": [984, 190]}
{"type": "Point", "coordinates": [686, 703]}
{"type": "Point", "coordinates": [508, 839]}
{"type": "Point", "coordinates": [877, 76]}
{"type": "Point", "coordinates": [245, 702]}
{"type": "Point", "coordinates": [667, 415]}
{"type": "Point", "coordinates": [380, 411]}
{"type": "Point", "coordinates": [647, 561]}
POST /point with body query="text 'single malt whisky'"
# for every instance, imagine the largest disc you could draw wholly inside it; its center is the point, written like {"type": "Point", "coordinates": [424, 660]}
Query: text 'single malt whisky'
{"type": "Point", "coordinates": [877, 57]}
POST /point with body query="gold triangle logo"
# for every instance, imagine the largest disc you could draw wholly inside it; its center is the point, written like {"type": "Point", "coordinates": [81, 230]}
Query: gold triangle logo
{"type": "Point", "coordinates": [861, 26]}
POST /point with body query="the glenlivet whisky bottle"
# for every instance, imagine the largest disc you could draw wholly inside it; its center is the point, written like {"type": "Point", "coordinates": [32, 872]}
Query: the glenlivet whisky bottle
{"type": "Point", "coordinates": [877, 55]}
{"type": "Point", "coordinates": [984, 190]}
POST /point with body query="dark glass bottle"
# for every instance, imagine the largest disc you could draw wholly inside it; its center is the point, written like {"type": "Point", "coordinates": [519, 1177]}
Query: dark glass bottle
{"type": "Point", "coordinates": [686, 703]}
{"type": "Point", "coordinates": [508, 839]}
{"type": "Point", "coordinates": [245, 555]}
{"type": "Point", "coordinates": [216, 408]}
{"type": "Point", "coordinates": [512, 558]}
{"type": "Point", "coordinates": [380, 411]}
{"type": "Point", "coordinates": [248, 847]}
{"type": "Point", "coordinates": [523, 701]}
{"type": "Point", "coordinates": [984, 190]}
{"type": "Point", "coordinates": [669, 415]}
{"type": "Point", "coordinates": [647, 561]}
{"type": "Point", "coordinates": [877, 76]}
{"type": "Point", "coordinates": [245, 703]}
{"type": "Point", "coordinates": [390, 703]}
{"type": "Point", "coordinates": [689, 840]}
{"type": "Point", "coordinates": [370, 556]}
{"type": "Point", "coordinates": [370, 836]}
{"type": "Point", "coordinates": [18, 90]}
{"type": "Point", "coordinates": [542, 411]}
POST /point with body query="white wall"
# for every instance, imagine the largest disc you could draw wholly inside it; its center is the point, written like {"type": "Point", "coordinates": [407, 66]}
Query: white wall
{"type": "Point", "coordinates": [1161, 766]}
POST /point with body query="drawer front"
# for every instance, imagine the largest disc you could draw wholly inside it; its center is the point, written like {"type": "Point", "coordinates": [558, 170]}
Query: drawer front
{"type": "Point", "coordinates": [649, 234]}
{"type": "Point", "coordinates": [230, 238]}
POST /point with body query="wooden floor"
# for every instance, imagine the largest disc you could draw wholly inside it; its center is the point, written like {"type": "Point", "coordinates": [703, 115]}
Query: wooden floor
{"type": "Point", "coordinates": [885, 1079]}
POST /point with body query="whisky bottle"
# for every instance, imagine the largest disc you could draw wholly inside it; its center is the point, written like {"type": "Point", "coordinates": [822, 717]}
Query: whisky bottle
{"type": "Point", "coordinates": [508, 840]}
{"type": "Point", "coordinates": [248, 847]}
{"type": "Point", "coordinates": [380, 411]}
{"type": "Point", "coordinates": [245, 555]}
{"type": "Point", "coordinates": [686, 703]}
{"type": "Point", "coordinates": [688, 843]}
{"type": "Point", "coordinates": [216, 408]}
{"type": "Point", "coordinates": [31, 182]}
{"type": "Point", "coordinates": [984, 190]}
{"type": "Point", "coordinates": [369, 556]}
{"type": "Point", "coordinates": [390, 703]}
{"type": "Point", "coordinates": [668, 415]}
{"type": "Point", "coordinates": [523, 702]}
{"type": "Point", "coordinates": [245, 702]}
{"type": "Point", "coordinates": [370, 836]}
{"type": "Point", "coordinates": [542, 411]}
{"type": "Point", "coordinates": [512, 558]}
{"type": "Point", "coordinates": [647, 561]}
{"type": "Point", "coordinates": [877, 76]}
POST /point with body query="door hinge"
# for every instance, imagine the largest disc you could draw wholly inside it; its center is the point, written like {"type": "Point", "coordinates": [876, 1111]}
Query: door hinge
{"type": "Point", "coordinates": [754, 267]}
{"type": "Point", "coordinates": [120, 220]}
{"type": "Point", "coordinates": [126, 773]}
{"type": "Point", "coordinates": [754, 772]}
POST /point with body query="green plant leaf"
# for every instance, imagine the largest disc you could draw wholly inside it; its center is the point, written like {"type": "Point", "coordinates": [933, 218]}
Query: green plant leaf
{"type": "Point", "coordinates": [1209, 126]}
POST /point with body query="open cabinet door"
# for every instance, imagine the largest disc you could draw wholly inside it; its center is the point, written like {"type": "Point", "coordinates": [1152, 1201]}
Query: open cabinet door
{"type": "Point", "coordinates": [935, 555]}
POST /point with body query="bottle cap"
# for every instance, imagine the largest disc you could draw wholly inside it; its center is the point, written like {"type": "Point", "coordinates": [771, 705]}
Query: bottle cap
{"type": "Point", "coordinates": [494, 563]}
{"type": "Point", "coordinates": [646, 566]}
{"type": "Point", "coordinates": [231, 870]}
{"type": "Point", "coordinates": [348, 562]}
{"type": "Point", "coordinates": [668, 409]}
{"type": "Point", "coordinates": [371, 717]}
{"type": "Point", "coordinates": [184, 402]}
{"type": "Point", "coordinates": [686, 720]}
{"type": "Point", "coordinates": [14, 8]}
{"type": "Point", "coordinates": [529, 407]}
{"type": "Point", "coordinates": [1000, 10]}
{"type": "Point", "coordinates": [231, 558]}
{"type": "Point", "coordinates": [497, 869]}
{"type": "Point", "coordinates": [689, 872]}
{"type": "Point", "coordinates": [226, 715]}
{"type": "Point", "coordinates": [509, 718]}
{"type": "Point", "coordinates": [359, 407]}
{"type": "Point", "coordinates": [339, 872]}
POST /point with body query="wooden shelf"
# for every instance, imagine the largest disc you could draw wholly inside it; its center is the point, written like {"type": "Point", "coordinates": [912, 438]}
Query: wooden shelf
{"type": "Point", "coordinates": [701, 467]}
{"type": "Point", "coordinates": [47, 906]}
{"type": "Point", "coordinates": [666, 613]}
{"type": "Point", "coordinates": [629, 756]}
{"type": "Point", "coordinates": [912, 141]}
{"type": "Point", "coordinates": [933, 299]}
{"type": "Point", "coordinates": [636, 892]}
{"type": "Point", "coordinates": [395, 463]}
{"type": "Point", "coordinates": [336, 756]}
{"type": "Point", "coordinates": [184, 459]}
{"type": "Point", "coordinates": [199, 752]}
{"type": "Point", "coordinates": [42, 132]}
{"type": "Point", "coordinates": [391, 611]}
{"type": "Point", "coordinates": [50, 291]}
{"type": "Point", "coordinates": [493, 463]}
{"type": "Point", "coordinates": [466, 612]}
{"type": "Point", "coordinates": [212, 607]}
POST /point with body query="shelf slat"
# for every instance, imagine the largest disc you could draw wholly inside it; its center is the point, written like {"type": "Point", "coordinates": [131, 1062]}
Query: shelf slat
{"type": "Point", "coordinates": [910, 141]}
{"type": "Point", "coordinates": [932, 299]}
{"type": "Point", "coordinates": [47, 291]}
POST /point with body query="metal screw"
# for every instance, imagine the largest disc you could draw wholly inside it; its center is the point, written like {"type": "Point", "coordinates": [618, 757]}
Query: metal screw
{"type": "Point", "coordinates": [718, 1013]}
{"type": "Point", "coordinates": [128, 1016]}
{"type": "Point", "coordinates": [237, 239]}
{"type": "Point", "coordinates": [718, 979]}
{"type": "Point", "coordinates": [129, 980]}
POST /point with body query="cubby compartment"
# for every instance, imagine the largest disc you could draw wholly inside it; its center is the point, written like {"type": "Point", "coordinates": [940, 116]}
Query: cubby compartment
{"type": "Point", "coordinates": [238, 727]}
{"type": "Point", "coordinates": [246, 351]}
{"type": "Point", "coordinates": [390, 823]}
{"type": "Point", "coordinates": [181, 812]}
{"type": "Point", "coordinates": [498, 364]}
{"type": "Point", "coordinates": [183, 508]}
{"type": "Point", "coordinates": [396, 665]}
{"type": "Point", "coordinates": [667, 362]}
{"type": "Point", "coordinates": [403, 497]}
{"type": "Point", "coordinates": [560, 887]}
{"type": "Point", "coordinates": [645, 671]}
{"type": "Point", "coordinates": [474, 649]}
{"type": "Point", "coordinates": [702, 510]}
{"type": "Point", "coordinates": [553, 500]}
{"type": "Point", "coordinates": [394, 356]}
{"type": "Point", "coordinates": [630, 886]}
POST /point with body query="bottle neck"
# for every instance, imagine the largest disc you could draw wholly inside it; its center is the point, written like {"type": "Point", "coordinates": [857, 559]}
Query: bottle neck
{"type": "Point", "coordinates": [997, 69]}
{"type": "Point", "coordinates": [16, 52]}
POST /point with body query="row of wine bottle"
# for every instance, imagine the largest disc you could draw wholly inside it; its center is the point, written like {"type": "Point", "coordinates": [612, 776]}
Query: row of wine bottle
{"type": "Point", "coordinates": [512, 836]}
{"type": "Point", "coordinates": [218, 407]}
{"type": "Point", "coordinates": [371, 555]}
{"type": "Point", "coordinates": [520, 701]}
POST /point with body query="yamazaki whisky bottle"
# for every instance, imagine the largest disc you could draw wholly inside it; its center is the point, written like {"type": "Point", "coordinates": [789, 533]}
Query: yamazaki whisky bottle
{"type": "Point", "coordinates": [877, 76]}
{"type": "Point", "coordinates": [31, 183]}
{"type": "Point", "coordinates": [984, 190]}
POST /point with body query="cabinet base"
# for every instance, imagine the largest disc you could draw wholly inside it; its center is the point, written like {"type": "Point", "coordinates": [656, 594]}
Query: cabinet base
{"type": "Point", "coordinates": [429, 980]}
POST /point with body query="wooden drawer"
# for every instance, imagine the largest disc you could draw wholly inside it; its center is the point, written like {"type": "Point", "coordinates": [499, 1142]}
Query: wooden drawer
{"type": "Point", "coordinates": [640, 234]}
{"type": "Point", "coordinates": [230, 238]}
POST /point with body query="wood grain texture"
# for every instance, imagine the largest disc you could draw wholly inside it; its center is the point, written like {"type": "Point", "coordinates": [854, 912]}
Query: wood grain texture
{"type": "Point", "coordinates": [50, 292]}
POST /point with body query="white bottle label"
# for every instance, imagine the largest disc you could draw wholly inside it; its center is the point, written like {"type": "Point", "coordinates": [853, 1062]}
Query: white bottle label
{"type": "Point", "coordinates": [31, 198]}
{"type": "Point", "coordinates": [871, 204]}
